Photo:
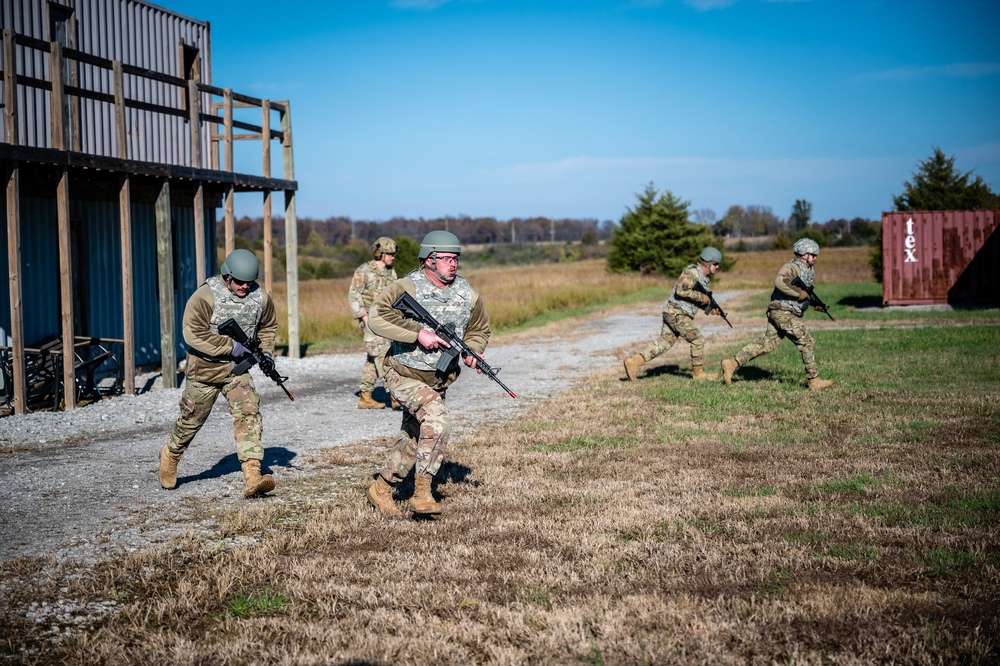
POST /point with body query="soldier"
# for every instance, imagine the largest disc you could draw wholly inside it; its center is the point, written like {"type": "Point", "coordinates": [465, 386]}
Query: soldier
{"type": "Point", "coordinates": [678, 317]}
{"type": "Point", "coordinates": [788, 304]}
{"type": "Point", "coordinates": [410, 367]}
{"type": "Point", "coordinates": [369, 279]}
{"type": "Point", "coordinates": [210, 362]}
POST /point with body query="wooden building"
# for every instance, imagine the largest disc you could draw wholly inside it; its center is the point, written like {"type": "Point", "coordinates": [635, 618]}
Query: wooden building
{"type": "Point", "coordinates": [117, 152]}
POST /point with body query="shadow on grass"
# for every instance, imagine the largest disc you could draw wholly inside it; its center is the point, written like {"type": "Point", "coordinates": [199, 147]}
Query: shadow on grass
{"type": "Point", "coordinates": [274, 456]}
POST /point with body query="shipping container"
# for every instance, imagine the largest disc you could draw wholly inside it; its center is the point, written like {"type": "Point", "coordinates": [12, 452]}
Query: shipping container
{"type": "Point", "coordinates": [941, 257]}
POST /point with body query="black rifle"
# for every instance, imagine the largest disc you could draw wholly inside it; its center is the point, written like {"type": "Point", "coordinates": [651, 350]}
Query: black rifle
{"type": "Point", "coordinates": [712, 304]}
{"type": "Point", "coordinates": [814, 300]}
{"type": "Point", "coordinates": [409, 307]}
{"type": "Point", "coordinates": [255, 357]}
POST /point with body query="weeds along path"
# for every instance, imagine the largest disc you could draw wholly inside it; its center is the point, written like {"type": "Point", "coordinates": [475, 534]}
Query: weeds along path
{"type": "Point", "coordinates": [82, 485]}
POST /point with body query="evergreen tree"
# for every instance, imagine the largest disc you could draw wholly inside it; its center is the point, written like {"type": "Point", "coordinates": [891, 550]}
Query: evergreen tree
{"type": "Point", "coordinates": [801, 214]}
{"type": "Point", "coordinates": [656, 236]}
{"type": "Point", "coordinates": [937, 185]}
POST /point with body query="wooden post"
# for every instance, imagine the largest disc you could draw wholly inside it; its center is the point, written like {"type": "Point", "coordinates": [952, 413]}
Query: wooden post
{"type": "Point", "coordinates": [10, 91]}
{"type": "Point", "coordinates": [128, 300]}
{"type": "Point", "coordinates": [165, 266]}
{"type": "Point", "coordinates": [14, 270]}
{"type": "Point", "coordinates": [57, 100]}
{"type": "Point", "coordinates": [66, 289]}
{"type": "Point", "coordinates": [194, 95]}
{"type": "Point", "coordinates": [265, 136]}
{"type": "Point", "coordinates": [121, 133]}
{"type": "Point", "coordinates": [227, 115]}
{"type": "Point", "coordinates": [291, 234]}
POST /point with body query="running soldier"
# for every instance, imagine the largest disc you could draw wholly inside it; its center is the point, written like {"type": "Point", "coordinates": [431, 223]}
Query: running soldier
{"type": "Point", "coordinates": [678, 317]}
{"type": "Point", "coordinates": [788, 304]}
{"type": "Point", "coordinates": [369, 279]}
{"type": "Point", "coordinates": [210, 362]}
{"type": "Point", "coordinates": [410, 371]}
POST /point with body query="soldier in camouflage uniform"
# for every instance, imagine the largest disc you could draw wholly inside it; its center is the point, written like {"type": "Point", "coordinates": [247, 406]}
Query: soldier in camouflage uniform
{"type": "Point", "coordinates": [410, 371]}
{"type": "Point", "coordinates": [369, 279]}
{"type": "Point", "coordinates": [209, 370]}
{"type": "Point", "coordinates": [678, 317]}
{"type": "Point", "coordinates": [788, 304]}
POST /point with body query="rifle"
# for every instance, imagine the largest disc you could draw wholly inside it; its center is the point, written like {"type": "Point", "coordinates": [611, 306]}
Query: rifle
{"type": "Point", "coordinates": [814, 300]}
{"type": "Point", "coordinates": [409, 307]}
{"type": "Point", "coordinates": [255, 357]}
{"type": "Point", "coordinates": [712, 304]}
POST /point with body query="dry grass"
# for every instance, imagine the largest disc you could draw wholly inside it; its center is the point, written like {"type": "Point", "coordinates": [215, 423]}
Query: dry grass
{"type": "Point", "coordinates": [754, 270]}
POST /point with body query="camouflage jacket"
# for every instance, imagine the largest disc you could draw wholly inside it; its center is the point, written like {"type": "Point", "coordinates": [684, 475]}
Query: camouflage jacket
{"type": "Point", "coordinates": [684, 296]}
{"type": "Point", "coordinates": [368, 281]}
{"type": "Point", "coordinates": [785, 296]}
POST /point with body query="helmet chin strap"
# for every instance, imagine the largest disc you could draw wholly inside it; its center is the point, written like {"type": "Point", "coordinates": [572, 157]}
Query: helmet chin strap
{"type": "Point", "coordinates": [445, 279]}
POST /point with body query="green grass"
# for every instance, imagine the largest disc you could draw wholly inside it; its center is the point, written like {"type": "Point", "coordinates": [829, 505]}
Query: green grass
{"type": "Point", "coordinates": [264, 602]}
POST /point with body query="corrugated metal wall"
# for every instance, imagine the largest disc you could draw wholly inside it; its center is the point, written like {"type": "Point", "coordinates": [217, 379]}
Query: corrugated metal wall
{"type": "Point", "coordinates": [96, 238]}
{"type": "Point", "coordinates": [940, 257]}
{"type": "Point", "coordinates": [135, 32]}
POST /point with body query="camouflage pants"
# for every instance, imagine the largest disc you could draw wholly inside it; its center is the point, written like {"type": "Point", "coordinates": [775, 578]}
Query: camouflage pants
{"type": "Point", "coordinates": [375, 350]}
{"type": "Point", "coordinates": [423, 435]}
{"type": "Point", "coordinates": [783, 324]}
{"type": "Point", "coordinates": [196, 404]}
{"type": "Point", "coordinates": [677, 325]}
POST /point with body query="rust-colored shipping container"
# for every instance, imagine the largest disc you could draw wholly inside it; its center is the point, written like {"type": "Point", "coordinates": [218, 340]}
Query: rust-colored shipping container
{"type": "Point", "coordinates": [949, 256]}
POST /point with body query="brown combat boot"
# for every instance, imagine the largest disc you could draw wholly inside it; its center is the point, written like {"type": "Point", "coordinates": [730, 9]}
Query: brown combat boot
{"type": "Point", "coordinates": [366, 401]}
{"type": "Point", "coordinates": [632, 365]}
{"type": "Point", "coordinates": [168, 468]}
{"type": "Point", "coordinates": [698, 372]}
{"type": "Point", "coordinates": [380, 497]}
{"type": "Point", "coordinates": [422, 501]}
{"type": "Point", "coordinates": [254, 483]}
{"type": "Point", "coordinates": [817, 384]}
{"type": "Point", "coordinates": [729, 366]}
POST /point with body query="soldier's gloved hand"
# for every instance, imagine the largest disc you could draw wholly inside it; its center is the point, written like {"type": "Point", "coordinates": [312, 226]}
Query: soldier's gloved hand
{"type": "Point", "coordinates": [239, 350]}
{"type": "Point", "coordinates": [803, 296]}
{"type": "Point", "coordinates": [267, 365]}
{"type": "Point", "coordinates": [819, 308]}
{"type": "Point", "coordinates": [715, 311]}
{"type": "Point", "coordinates": [709, 309]}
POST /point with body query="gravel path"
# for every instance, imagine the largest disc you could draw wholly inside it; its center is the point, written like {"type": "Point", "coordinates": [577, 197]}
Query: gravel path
{"type": "Point", "coordinates": [82, 485]}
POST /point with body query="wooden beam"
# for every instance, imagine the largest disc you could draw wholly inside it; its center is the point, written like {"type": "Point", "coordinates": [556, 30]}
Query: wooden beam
{"type": "Point", "coordinates": [12, 175]}
{"type": "Point", "coordinates": [291, 234]}
{"type": "Point", "coordinates": [165, 266]}
{"type": "Point", "coordinates": [57, 100]}
{"type": "Point", "coordinates": [228, 120]}
{"type": "Point", "coordinates": [66, 289]}
{"type": "Point", "coordinates": [230, 223]}
{"type": "Point", "coordinates": [121, 131]}
{"type": "Point", "coordinates": [10, 88]}
{"type": "Point", "coordinates": [268, 245]}
{"type": "Point", "coordinates": [128, 300]}
{"type": "Point", "coordinates": [194, 97]}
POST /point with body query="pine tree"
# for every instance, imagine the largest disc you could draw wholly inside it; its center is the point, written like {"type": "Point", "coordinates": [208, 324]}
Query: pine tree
{"type": "Point", "coordinates": [937, 185]}
{"type": "Point", "coordinates": [656, 236]}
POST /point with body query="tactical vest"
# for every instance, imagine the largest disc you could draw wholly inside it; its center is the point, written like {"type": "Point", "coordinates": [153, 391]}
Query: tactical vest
{"type": "Point", "coordinates": [246, 311]}
{"type": "Point", "coordinates": [448, 306]}
{"type": "Point", "coordinates": [378, 281]}
{"type": "Point", "coordinates": [782, 301]}
{"type": "Point", "coordinates": [689, 307]}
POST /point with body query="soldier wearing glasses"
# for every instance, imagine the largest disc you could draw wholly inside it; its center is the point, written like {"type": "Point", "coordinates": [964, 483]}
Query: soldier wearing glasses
{"type": "Point", "coordinates": [209, 370]}
{"type": "Point", "coordinates": [410, 371]}
{"type": "Point", "coordinates": [678, 317]}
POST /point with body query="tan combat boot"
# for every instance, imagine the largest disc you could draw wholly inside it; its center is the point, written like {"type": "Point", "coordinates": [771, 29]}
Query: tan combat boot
{"type": "Point", "coordinates": [366, 401]}
{"type": "Point", "coordinates": [422, 501]}
{"type": "Point", "coordinates": [729, 366]}
{"type": "Point", "coordinates": [380, 497]}
{"type": "Point", "coordinates": [395, 403]}
{"type": "Point", "coordinates": [254, 483]}
{"type": "Point", "coordinates": [168, 468]}
{"type": "Point", "coordinates": [632, 365]}
{"type": "Point", "coordinates": [698, 372]}
{"type": "Point", "coordinates": [817, 384]}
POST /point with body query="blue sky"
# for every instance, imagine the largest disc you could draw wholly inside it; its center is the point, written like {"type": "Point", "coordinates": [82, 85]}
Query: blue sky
{"type": "Point", "coordinates": [569, 108]}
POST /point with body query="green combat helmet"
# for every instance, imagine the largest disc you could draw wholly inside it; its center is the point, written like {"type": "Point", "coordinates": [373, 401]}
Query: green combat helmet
{"type": "Point", "coordinates": [805, 246]}
{"type": "Point", "coordinates": [439, 241]}
{"type": "Point", "coordinates": [710, 255]}
{"type": "Point", "coordinates": [382, 246]}
{"type": "Point", "coordinates": [242, 265]}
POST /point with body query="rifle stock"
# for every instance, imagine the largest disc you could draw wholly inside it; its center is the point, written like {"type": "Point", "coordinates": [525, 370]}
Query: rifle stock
{"type": "Point", "coordinates": [409, 307]}
{"type": "Point", "coordinates": [256, 357]}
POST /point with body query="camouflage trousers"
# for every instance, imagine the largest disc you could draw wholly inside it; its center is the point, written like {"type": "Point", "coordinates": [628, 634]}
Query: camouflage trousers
{"type": "Point", "coordinates": [677, 325]}
{"type": "Point", "coordinates": [423, 435]}
{"type": "Point", "coordinates": [782, 324]}
{"type": "Point", "coordinates": [375, 350]}
{"type": "Point", "coordinates": [196, 404]}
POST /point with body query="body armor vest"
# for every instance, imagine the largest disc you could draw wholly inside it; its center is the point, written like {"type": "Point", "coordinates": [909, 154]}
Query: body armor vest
{"type": "Point", "coordinates": [686, 306]}
{"type": "Point", "coordinates": [448, 306]}
{"type": "Point", "coordinates": [246, 311]}
{"type": "Point", "coordinates": [782, 301]}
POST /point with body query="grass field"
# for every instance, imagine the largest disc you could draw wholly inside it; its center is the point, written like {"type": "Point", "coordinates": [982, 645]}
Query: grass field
{"type": "Point", "coordinates": [651, 522]}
